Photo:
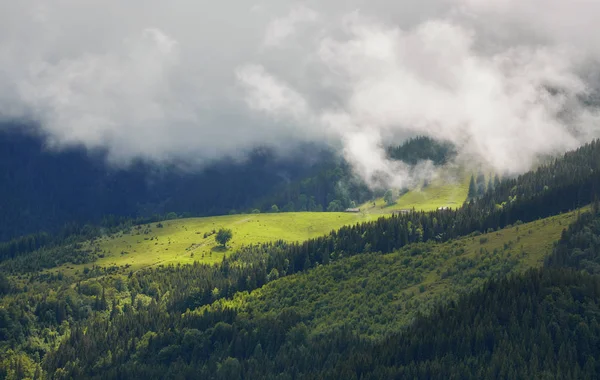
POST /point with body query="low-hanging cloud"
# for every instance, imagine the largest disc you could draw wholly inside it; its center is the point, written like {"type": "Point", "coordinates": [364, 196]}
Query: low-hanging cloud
{"type": "Point", "coordinates": [502, 79]}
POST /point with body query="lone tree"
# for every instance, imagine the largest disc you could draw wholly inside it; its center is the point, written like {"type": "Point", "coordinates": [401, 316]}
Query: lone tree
{"type": "Point", "coordinates": [223, 236]}
{"type": "Point", "coordinates": [388, 197]}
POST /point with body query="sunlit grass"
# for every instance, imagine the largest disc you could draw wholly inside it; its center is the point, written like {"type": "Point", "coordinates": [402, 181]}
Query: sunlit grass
{"type": "Point", "coordinates": [435, 195]}
{"type": "Point", "coordinates": [182, 240]}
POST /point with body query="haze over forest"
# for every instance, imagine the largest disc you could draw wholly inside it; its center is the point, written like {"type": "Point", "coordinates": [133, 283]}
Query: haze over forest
{"type": "Point", "coordinates": [504, 80]}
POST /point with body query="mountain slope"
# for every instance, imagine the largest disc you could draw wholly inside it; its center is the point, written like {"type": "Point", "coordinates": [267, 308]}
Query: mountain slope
{"type": "Point", "coordinates": [375, 294]}
{"type": "Point", "coordinates": [448, 193]}
{"type": "Point", "coordinates": [51, 188]}
{"type": "Point", "coordinates": [184, 241]}
{"type": "Point", "coordinates": [367, 296]}
{"type": "Point", "coordinates": [112, 322]}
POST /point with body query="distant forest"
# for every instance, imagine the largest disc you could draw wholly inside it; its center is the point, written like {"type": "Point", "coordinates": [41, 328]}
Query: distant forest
{"type": "Point", "coordinates": [52, 192]}
{"type": "Point", "coordinates": [44, 190]}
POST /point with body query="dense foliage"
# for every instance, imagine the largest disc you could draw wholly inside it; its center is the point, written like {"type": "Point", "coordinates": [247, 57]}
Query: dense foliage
{"type": "Point", "coordinates": [423, 148]}
{"type": "Point", "coordinates": [333, 188]}
{"type": "Point", "coordinates": [580, 245]}
{"type": "Point", "coordinates": [543, 324]}
{"type": "Point", "coordinates": [540, 325]}
{"type": "Point", "coordinates": [48, 189]}
{"type": "Point", "coordinates": [200, 321]}
{"type": "Point", "coordinates": [537, 324]}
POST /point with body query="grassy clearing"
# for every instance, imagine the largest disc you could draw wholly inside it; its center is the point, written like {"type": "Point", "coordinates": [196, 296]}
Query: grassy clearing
{"type": "Point", "coordinates": [438, 194]}
{"type": "Point", "coordinates": [182, 240]}
{"type": "Point", "coordinates": [375, 294]}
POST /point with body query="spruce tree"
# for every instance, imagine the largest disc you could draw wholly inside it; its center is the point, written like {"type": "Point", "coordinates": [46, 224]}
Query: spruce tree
{"type": "Point", "coordinates": [480, 184]}
{"type": "Point", "coordinates": [388, 197]}
{"type": "Point", "coordinates": [472, 188]}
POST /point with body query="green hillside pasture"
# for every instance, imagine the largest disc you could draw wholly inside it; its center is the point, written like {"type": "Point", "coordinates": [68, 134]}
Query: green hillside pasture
{"type": "Point", "coordinates": [376, 294]}
{"type": "Point", "coordinates": [182, 240]}
{"type": "Point", "coordinates": [448, 193]}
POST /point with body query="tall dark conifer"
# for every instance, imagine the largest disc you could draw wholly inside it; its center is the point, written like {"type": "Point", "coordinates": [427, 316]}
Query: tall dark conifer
{"type": "Point", "coordinates": [472, 188]}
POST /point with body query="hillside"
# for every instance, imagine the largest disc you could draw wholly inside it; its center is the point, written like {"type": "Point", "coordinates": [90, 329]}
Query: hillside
{"type": "Point", "coordinates": [53, 188]}
{"type": "Point", "coordinates": [450, 192]}
{"type": "Point", "coordinates": [188, 240]}
{"type": "Point", "coordinates": [281, 303]}
{"type": "Point", "coordinates": [183, 240]}
{"type": "Point", "coordinates": [368, 296]}
{"type": "Point", "coordinates": [374, 294]}
{"type": "Point", "coordinates": [541, 324]}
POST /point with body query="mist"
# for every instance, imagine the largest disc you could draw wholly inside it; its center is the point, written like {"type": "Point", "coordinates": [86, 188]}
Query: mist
{"type": "Point", "coordinates": [504, 80]}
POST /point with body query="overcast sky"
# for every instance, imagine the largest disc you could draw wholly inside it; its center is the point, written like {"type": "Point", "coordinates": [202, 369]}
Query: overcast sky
{"type": "Point", "coordinates": [199, 80]}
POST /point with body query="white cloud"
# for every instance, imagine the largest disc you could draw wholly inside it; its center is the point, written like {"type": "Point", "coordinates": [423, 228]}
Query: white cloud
{"type": "Point", "coordinates": [202, 80]}
{"type": "Point", "coordinates": [268, 94]}
{"type": "Point", "coordinates": [281, 28]}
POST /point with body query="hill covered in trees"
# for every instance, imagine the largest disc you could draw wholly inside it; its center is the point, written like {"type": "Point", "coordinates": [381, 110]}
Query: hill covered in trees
{"type": "Point", "coordinates": [57, 191]}
{"type": "Point", "coordinates": [530, 324]}
{"type": "Point", "coordinates": [422, 148]}
{"type": "Point", "coordinates": [418, 294]}
{"type": "Point", "coordinates": [49, 189]}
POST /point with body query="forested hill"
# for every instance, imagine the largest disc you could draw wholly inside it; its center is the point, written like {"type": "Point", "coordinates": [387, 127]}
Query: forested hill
{"type": "Point", "coordinates": [577, 172]}
{"type": "Point", "coordinates": [526, 326]}
{"type": "Point", "coordinates": [542, 324]}
{"type": "Point", "coordinates": [165, 321]}
{"type": "Point", "coordinates": [335, 188]}
{"type": "Point", "coordinates": [44, 190]}
{"type": "Point", "coordinates": [48, 190]}
{"type": "Point", "coordinates": [422, 148]}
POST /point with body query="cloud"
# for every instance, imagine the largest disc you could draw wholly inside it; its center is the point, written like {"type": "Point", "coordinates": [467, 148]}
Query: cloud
{"type": "Point", "coordinates": [268, 94]}
{"type": "Point", "coordinates": [431, 80]}
{"type": "Point", "coordinates": [502, 79]}
{"type": "Point", "coordinates": [281, 28]}
{"type": "Point", "coordinates": [98, 98]}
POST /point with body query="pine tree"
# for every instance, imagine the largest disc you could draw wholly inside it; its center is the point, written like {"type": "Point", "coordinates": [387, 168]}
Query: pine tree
{"type": "Point", "coordinates": [480, 184]}
{"type": "Point", "coordinates": [472, 188]}
{"type": "Point", "coordinates": [388, 197]}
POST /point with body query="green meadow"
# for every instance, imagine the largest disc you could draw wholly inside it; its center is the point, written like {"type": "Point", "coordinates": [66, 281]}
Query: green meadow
{"type": "Point", "coordinates": [450, 194]}
{"type": "Point", "coordinates": [188, 240]}
{"type": "Point", "coordinates": [192, 239]}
